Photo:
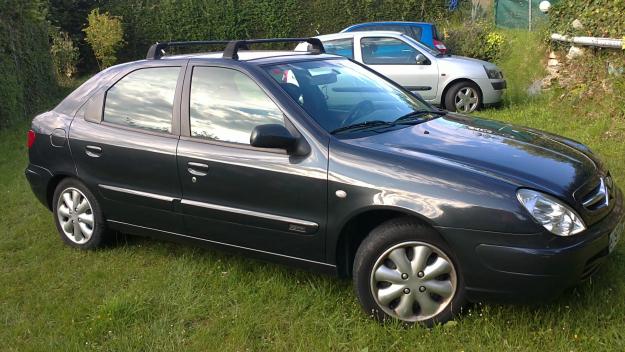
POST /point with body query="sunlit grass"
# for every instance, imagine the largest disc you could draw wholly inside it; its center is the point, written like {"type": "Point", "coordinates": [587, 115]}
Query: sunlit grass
{"type": "Point", "coordinates": [148, 295]}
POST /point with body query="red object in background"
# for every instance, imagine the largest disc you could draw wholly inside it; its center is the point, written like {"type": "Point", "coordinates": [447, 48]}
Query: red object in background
{"type": "Point", "coordinates": [440, 46]}
{"type": "Point", "coordinates": [30, 138]}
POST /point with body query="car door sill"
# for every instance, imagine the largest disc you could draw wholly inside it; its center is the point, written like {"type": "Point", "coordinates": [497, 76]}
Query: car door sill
{"type": "Point", "coordinates": [222, 243]}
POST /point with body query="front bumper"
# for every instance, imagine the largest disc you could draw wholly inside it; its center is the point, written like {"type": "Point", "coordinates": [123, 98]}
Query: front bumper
{"type": "Point", "coordinates": [535, 267]}
{"type": "Point", "coordinates": [492, 90]}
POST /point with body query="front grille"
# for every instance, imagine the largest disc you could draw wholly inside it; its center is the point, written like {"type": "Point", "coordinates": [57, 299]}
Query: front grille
{"type": "Point", "coordinates": [600, 196]}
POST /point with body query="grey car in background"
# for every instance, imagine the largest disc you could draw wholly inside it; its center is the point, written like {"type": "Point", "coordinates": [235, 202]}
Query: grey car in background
{"type": "Point", "coordinates": [455, 83]}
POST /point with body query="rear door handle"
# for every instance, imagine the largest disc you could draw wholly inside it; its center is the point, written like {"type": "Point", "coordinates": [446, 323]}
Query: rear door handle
{"type": "Point", "coordinates": [93, 151]}
{"type": "Point", "coordinates": [197, 169]}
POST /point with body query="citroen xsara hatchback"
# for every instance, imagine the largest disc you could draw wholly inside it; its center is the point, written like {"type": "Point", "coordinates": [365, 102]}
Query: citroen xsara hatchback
{"type": "Point", "coordinates": [314, 160]}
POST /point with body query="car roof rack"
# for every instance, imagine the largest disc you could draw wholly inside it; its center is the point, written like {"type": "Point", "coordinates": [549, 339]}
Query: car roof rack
{"type": "Point", "coordinates": [157, 50]}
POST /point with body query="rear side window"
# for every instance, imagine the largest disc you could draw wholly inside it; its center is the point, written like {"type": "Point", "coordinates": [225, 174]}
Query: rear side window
{"type": "Point", "coordinates": [343, 47]}
{"type": "Point", "coordinates": [225, 105]}
{"type": "Point", "coordinates": [387, 51]}
{"type": "Point", "coordinates": [143, 99]}
{"type": "Point", "coordinates": [412, 31]}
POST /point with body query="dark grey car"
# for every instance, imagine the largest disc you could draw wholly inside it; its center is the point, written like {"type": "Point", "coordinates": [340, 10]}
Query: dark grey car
{"type": "Point", "coordinates": [314, 160]}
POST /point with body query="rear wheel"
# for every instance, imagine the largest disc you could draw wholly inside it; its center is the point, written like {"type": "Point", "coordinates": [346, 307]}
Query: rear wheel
{"type": "Point", "coordinates": [404, 271]}
{"type": "Point", "coordinates": [77, 215]}
{"type": "Point", "coordinates": [463, 97]}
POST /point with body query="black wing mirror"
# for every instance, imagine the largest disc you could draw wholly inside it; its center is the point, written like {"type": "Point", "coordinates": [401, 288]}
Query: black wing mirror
{"type": "Point", "coordinates": [273, 136]}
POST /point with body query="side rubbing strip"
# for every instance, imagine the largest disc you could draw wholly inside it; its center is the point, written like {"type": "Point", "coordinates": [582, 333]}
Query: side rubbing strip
{"type": "Point", "coordinates": [138, 193]}
{"type": "Point", "coordinates": [251, 213]}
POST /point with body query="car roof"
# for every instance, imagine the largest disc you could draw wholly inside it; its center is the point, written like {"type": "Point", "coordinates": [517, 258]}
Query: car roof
{"type": "Point", "coordinates": [254, 56]}
{"type": "Point", "coordinates": [396, 23]}
{"type": "Point", "coordinates": [351, 34]}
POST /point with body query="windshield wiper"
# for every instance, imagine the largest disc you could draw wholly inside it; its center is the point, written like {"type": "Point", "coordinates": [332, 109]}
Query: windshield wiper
{"type": "Point", "coordinates": [409, 118]}
{"type": "Point", "coordinates": [415, 116]}
{"type": "Point", "coordinates": [361, 125]}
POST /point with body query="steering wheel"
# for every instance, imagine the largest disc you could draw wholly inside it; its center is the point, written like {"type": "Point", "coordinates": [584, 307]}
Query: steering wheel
{"type": "Point", "coordinates": [362, 108]}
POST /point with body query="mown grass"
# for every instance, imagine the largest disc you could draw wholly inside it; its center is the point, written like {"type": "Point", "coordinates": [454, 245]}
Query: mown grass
{"type": "Point", "coordinates": [148, 295]}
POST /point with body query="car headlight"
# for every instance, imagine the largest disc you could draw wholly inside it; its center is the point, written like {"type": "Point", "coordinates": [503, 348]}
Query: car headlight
{"type": "Point", "coordinates": [493, 73]}
{"type": "Point", "coordinates": [555, 216]}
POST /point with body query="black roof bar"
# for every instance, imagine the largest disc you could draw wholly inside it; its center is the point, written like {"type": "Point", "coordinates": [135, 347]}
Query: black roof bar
{"type": "Point", "coordinates": [231, 51]}
{"type": "Point", "coordinates": [157, 50]}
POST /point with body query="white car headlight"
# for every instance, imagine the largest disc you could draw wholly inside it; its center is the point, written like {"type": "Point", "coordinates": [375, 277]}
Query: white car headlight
{"type": "Point", "coordinates": [555, 216]}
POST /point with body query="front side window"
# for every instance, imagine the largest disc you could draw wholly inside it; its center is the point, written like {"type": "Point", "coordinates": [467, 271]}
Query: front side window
{"type": "Point", "coordinates": [337, 93]}
{"type": "Point", "coordinates": [225, 105]}
{"type": "Point", "coordinates": [343, 47]}
{"type": "Point", "coordinates": [143, 99]}
{"type": "Point", "coordinates": [387, 51]}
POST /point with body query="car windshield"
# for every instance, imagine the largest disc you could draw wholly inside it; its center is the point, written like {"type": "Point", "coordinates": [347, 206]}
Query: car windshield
{"type": "Point", "coordinates": [340, 93]}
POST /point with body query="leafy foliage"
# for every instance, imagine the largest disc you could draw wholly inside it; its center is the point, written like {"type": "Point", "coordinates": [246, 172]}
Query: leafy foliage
{"type": "Point", "coordinates": [64, 55]}
{"type": "Point", "coordinates": [27, 78]}
{"type": "Point", "coordinates": [106, 36]}
{"type": "Point", "coordinates": [600, 18]}
{"type": "Point", "coordinates": [478, 40]}
{"type": "Point", "coordinates": [71, 17]}
{"type": "Point", "coordinates": [148, 21]}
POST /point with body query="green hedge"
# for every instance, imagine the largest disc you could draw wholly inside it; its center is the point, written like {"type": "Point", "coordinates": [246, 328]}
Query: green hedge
{"type": "Point", "coordinates": [25, 63]}
{"type": "Point", "coordinates": [147, 21]}
{"type": "Point", "coordinates": [600, 18]}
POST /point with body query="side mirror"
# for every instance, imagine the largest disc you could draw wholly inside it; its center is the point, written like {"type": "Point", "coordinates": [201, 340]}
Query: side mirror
{"type": "Point", "coordinates": [273, 136]}
{"type": "Point", "coordinates": [421, 59]}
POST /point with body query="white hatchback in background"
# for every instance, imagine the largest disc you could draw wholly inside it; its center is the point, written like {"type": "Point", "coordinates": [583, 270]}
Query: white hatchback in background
{"type": "Point", "coordinates": [455, 83]}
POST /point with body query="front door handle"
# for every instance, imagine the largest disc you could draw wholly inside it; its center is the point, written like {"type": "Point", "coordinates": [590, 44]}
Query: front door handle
{"type": "Point", "coordinates": [197, 169]}
{"type": "Point", "coordinates": [93, 151]}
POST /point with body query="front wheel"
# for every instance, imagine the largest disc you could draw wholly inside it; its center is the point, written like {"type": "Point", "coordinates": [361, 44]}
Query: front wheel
{"type": "Point", "coordinates": [404, 271]}
{"type": "Point", "coordinates": [77, 215]}
{"type": "Point", "coordinates": [463, 97]}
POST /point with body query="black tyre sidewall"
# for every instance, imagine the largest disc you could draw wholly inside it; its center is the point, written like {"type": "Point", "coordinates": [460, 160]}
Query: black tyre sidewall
{"type": "Point", "coordinates": [99, 230]}
{"type": "Point", "coordinates": [451, 93]}
{"type": "Point", "coordinates": [377, 242]}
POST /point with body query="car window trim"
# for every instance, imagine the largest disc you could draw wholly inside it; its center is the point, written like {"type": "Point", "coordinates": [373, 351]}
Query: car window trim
{"type": "Point", "coordinates": [401, 40]}
{"type": "Point", "coordinates": [138, 129]}
{"type": "Point", "coordinates": [175, 113]}
{"type": "Point", "coordinates": [185, 112]}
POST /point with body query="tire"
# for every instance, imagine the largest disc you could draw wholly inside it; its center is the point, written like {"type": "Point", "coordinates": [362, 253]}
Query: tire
{"type": "Point", "coordinates": [431, 293]}
{"type": "Point", "coordinates": [465, 88]}
{"type": "Point", "coordinates": [89, 219]}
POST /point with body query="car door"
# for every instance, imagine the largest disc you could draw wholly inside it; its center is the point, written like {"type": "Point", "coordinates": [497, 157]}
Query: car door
{"type": "Point", "coordinates": [239, 195]}
{"type": "Point", "coordinates": [126, 152]}
{"type": "Point", "coordinates": [398, 60]}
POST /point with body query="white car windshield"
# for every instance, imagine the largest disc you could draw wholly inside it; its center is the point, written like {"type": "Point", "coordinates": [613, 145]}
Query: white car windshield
{"type": "Point", "coordinates": [340, 93]}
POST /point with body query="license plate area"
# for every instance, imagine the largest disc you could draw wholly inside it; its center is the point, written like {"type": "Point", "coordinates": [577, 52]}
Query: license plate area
{"type": "Point", "coordinates": [615, 235]}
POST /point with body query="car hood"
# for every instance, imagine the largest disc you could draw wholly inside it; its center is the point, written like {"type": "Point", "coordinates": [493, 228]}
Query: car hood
{"type": "Point", "coordinates": [453, 59]}
{"type": "Point", "coordinates": [522, 156]}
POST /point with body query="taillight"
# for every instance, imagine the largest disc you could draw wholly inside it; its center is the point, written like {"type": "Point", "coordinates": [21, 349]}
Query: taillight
{"type": "Point", "coordinates": [440, 46]}
{"type": "Point", "coordinates": [30, 138]}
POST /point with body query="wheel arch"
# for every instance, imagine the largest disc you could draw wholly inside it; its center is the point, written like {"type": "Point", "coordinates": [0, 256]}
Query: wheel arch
{"type": "Point", "coordinates": [355, 229]}
{"type": "Point", "coordinates": [459, 80]}
{"type": "Point", "coordinates": [51, 187]}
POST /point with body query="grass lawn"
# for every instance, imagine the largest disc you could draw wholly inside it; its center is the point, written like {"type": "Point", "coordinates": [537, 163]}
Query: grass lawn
{"type": "Point", "coordinates": [149, 295]}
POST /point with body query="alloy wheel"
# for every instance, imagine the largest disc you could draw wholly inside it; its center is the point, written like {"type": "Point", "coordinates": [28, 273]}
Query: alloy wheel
{"type": "Point", "coordinates": [413, 281]}
{"type": "Point", "coordinates": [466, 100]}
{"type": "Point", "coordinates": [75, 215]}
